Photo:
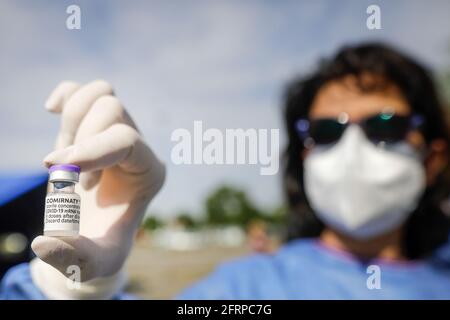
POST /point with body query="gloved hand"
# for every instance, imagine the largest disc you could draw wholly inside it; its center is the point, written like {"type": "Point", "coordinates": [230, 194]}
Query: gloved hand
{"type": "Point", "coordinates": [120, 175]}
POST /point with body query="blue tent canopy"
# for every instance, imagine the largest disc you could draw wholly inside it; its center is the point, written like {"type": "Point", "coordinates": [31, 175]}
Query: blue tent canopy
{"type": "Point", "coordinates": [12, 185]}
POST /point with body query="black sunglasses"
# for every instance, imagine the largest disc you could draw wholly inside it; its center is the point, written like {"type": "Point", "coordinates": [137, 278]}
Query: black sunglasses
{"type": "Point", "coordinates": [384, 127]}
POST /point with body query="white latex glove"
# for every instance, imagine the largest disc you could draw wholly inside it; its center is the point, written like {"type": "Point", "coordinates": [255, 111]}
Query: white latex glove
{"type": "Point", "coordinates": [120, 175]}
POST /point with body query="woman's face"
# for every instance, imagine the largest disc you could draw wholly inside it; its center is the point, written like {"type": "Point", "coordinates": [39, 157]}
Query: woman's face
{"type": "Point", "coordinates": [344, 96]}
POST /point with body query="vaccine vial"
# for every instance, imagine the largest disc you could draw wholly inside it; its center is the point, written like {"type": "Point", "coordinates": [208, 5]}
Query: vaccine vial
{"type": "Point", "coordinates": [62, 204]}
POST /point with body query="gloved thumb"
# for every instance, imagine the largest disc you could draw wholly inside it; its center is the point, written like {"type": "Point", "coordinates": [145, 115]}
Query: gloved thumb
{"type": "Point", "coordinates": [62, 254]}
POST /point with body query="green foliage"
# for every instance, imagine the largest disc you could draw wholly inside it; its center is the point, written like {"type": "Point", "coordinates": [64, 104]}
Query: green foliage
{"type": "Point", "coordinates": [443, 81]}
{"type": "Point", "coordinates": [444, 86]}
{"type": "Point", "coordinates": [225, 205]}
{"type": "Point", "coordinates": [231, 206]}
{"type": "Point", "coordinates": [187, 221]}
{"type": "Point", "coordinates": [152, 223]}
{"type": "Point", "coordinates": [277, 216]}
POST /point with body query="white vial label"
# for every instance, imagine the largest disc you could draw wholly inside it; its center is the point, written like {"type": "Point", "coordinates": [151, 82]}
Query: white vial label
{"type": "Point", "coordinates": [62, 214]}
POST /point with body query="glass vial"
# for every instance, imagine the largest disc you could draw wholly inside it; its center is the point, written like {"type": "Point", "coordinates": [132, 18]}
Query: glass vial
{"type": "Point", "coordinates": [62, 204]}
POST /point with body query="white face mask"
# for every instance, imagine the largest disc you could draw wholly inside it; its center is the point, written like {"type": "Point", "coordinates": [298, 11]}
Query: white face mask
{"type": "Point", "coordinates": [360, 189]}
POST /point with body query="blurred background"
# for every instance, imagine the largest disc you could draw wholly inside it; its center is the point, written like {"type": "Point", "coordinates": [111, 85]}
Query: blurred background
{"type": "Point", "coordinates": [171, 63]}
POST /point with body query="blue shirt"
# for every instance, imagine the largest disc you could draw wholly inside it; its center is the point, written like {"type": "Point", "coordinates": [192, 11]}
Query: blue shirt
{"type": "Point", "coordinates": [301, 269]}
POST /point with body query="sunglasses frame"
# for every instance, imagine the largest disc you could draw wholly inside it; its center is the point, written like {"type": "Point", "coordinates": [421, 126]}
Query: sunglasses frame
{"type": "Point", "coordinates": [303, 125]}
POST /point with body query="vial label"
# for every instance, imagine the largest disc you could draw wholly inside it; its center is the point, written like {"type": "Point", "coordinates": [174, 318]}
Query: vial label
{"type": "Point", "coordinates": [62, 212]}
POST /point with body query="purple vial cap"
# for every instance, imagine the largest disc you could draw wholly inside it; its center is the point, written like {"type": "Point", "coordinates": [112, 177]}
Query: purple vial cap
{"type": "Point", "coordinates": [64, 167]}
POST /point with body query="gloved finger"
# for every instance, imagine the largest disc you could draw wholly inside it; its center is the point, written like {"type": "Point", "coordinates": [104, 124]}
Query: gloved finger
{"type": "Point", "coordinates": [79, 251]}
{"type": "Point", "coordinates": [60, 95]}
{"type": "Point", "coordinates": [119, 145]}
{"type": "Point", "coordinates": [106, 111]}
{"type": "Point", "coordinates": [77, 107]}
{"type": "Point", "coordinates": [90, 179]}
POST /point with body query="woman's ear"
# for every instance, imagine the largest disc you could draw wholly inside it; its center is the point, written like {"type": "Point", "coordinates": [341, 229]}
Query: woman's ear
{"type": "Point", "coordinates": [304, 153]}
{"type": "Point", "coordinates": [437, 159]}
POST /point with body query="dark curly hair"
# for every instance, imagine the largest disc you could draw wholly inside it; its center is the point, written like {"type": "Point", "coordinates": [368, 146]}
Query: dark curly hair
{"type": "Point", "coordinates": [427, 227]}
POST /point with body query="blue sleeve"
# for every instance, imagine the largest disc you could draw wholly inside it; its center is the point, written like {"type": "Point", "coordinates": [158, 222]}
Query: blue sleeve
{"type": "Point", "coordinates": [238, 279]}
{"type": "Point", "coordinates": [215, 286]}
{"type": "Point", "coordinates": [18, 285]}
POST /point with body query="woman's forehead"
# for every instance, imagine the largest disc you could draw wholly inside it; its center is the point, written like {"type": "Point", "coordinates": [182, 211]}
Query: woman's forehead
{"type": "Point", "coordinates": [344, 95]}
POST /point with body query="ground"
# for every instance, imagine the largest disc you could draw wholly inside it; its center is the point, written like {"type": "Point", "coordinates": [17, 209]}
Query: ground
{"type": "Point", "coordinates": [157, 273]}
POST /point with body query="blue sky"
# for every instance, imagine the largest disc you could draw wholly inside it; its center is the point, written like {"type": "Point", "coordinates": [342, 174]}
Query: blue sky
{"type": "Point", "coordinates": [173, 62]}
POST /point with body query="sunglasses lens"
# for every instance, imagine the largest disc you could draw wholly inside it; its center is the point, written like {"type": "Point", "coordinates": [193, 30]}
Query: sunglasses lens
{"type": "Point", "coordinates": [326, 131]}
{"type": "Point", "coordinates": [387, 128]}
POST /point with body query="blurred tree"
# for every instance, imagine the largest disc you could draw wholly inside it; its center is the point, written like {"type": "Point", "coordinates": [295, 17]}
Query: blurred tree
{"type": "Point", "coordinates": [228, 205]}
{"type": "Point", "coordinates": [186, 220]}
{"type": "Point", "coordinates": [445, 86]}
{"type": "Point", "coordinates": [443, 80]}
{"type": "Point", "coordinates": [152, 223]}
{"type": "Point", "coordinates": [277, 216]}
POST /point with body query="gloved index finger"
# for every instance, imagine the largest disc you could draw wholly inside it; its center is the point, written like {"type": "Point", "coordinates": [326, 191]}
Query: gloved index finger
{"type": "Point", "coordinates": [120, 145]}
{"type": "Point", "coordinates": [77, 107]}
{"type": "Point", "coordinates": [60, 95]}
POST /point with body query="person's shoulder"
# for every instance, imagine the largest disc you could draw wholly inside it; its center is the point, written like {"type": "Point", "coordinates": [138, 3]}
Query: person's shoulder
{"type": "Point", "coordinates": [296, 246]}
{"type": "Point", "coordinates": [441, 256]}
{"type": "Point", "coordinates": [229, 280]}
{"type": "Point", "coordinates": [252, 276]}
{"type": "Point", "coordinates": [255, 263]}
{"type": "Point", "coordinates": [246, 268]}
